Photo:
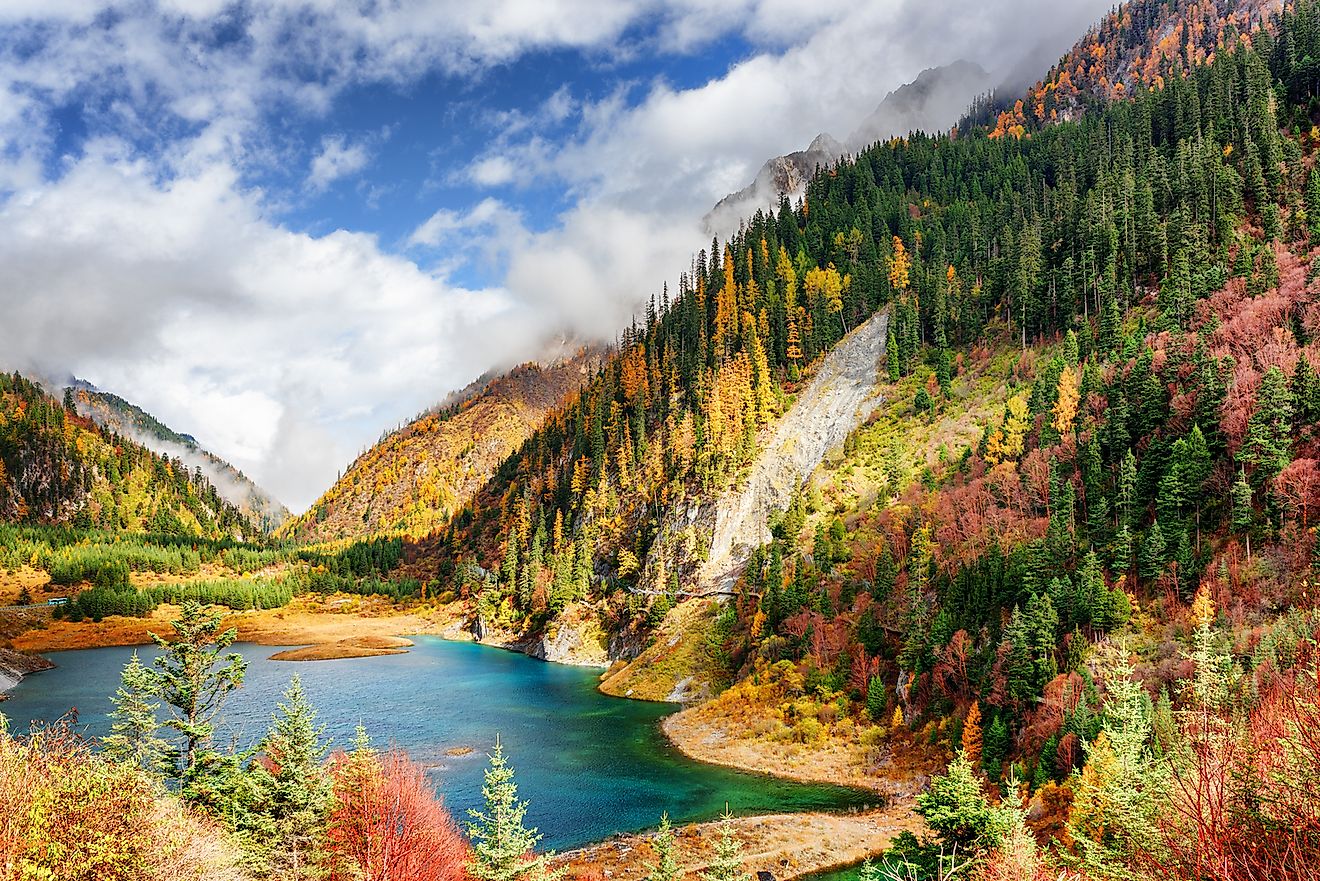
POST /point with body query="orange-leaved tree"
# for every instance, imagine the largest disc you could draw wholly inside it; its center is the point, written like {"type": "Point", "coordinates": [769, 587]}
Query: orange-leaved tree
{"type": "Point", "coordinates": [387, 822]}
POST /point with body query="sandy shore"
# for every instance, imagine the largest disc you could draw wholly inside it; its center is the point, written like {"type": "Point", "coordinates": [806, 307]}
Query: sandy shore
{"type": "Point", "coordinates": [308, 621]}
{"type": "Point", "coordinates": [786, 845]}
{"type": "Point", "coordinates": [354, 647]}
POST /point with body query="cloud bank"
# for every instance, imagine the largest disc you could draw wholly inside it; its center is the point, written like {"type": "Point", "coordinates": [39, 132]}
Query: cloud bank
{"type": "Point", "coordinates": [138, 252]}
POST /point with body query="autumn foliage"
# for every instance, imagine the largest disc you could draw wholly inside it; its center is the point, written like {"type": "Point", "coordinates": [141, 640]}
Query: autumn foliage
{"type": "Point", "coordinates": [387, 823]}
{"type": "Point", "coordinates": [68, 814]}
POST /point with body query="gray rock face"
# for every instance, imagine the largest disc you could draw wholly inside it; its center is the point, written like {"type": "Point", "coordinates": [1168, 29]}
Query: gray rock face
{"type": "Point", "coordinates": [840, 395]}
{"type": "Point", "coordinates": [930, 103]}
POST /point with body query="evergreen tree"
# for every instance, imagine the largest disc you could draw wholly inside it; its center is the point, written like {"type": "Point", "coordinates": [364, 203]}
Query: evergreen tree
{"type": "Point", "coordinates": [1127, 489]}
{"type": "Point", "coordinates": [875, 698]}
{"type": "Point", "coordinates": [1154, 553]}
{"type": "Point", "coordinates": [1265, 449]}
{"type": "Point", "coordinates": [502, 846]}
{"type": "Point", "coordinates": [1313, 202]}
{"type": "Point", "coordinates": [666, 864]}
{"type": "Point", "coordinates": [135, 737]}
{"type": "Point", "coordinates": [892, 356]}
{"type": "Point", "coordinates": [957, 810]}
{"type": "Point", "coordinates": [1244, 515]}
{"type": "Point", "coordinates": [727, 865]}
{"type": "Point", "coordinates": [188, 680]}
{"type": "Point", "coordinates": [295, 792]}
{"type": "Point", "coordinates": [994, 746]}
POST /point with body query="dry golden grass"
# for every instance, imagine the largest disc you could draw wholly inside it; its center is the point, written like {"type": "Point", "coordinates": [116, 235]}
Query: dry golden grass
{"type": "Point", "coordinates": [37, 582]}
{"type": "Point", "coordinates": [786, 845]}
{"type": "Point", "coordinates": [354, 647]}
{"type": "Point", "coordinates": [307, 621]}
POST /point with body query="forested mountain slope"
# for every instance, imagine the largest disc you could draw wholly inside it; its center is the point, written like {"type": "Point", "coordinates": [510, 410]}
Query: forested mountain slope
{"type": "Point", "coordinates": [1140, 45]}
{"type": "Point", "coordinates": [128, 420]}
{"type": "Point", "coordinates": [60, 468]}
{"type": "Point", "coordinates": [1138, 510]}
{"type": "Point", "coordinates": [415, 478]}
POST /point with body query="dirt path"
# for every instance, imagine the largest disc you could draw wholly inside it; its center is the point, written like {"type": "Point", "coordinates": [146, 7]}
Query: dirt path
{"type": "Point", "coordinates": [835, 402]}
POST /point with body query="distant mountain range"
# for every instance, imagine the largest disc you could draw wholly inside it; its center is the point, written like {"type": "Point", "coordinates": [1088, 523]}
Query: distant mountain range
{"type": "Point", "coordinates": [419, 476]}
{"type": "Point", "coordinates": [932, 102]}
{"type": "Point", "coordinates": [60, 467]}
{"type": "Point", "coordinates": [129, 420]}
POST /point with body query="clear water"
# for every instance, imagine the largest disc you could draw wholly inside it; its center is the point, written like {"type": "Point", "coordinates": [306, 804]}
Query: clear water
{"type": "Point", "coordinates": [591, 765]}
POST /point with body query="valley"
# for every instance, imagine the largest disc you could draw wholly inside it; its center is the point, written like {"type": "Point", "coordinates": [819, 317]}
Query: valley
{"type": "Point", "coordinates": [950, 518]}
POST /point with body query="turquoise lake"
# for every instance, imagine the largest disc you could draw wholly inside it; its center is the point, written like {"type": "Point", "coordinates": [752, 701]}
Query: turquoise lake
{"type": "Point", "coordinates": [589, 764]}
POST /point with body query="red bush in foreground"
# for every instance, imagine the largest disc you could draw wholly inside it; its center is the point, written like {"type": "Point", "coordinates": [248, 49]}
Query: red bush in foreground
{"type": "Point", "coordinates": [387, 824]}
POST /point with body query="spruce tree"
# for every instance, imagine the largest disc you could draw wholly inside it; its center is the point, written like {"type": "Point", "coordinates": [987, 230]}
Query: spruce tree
{"type": "Point", "coordinates": [1244, 515]}
{"type": "Point", "coordinates": [193, 680]}
{"type": "Point", "coordinates": [666, 864]}
{"type": "Point", "coordinates": [728, 862]}
{"type": "Point", "coordinates": [1127, 489]}
{"type": "Point", "coordinates": [957, 810]}
{"type": "Point", "coordinates": [1265, 449]}
{"type": "Point", "coordinates": [295, 792]}
{"type": "Point", "coordinates": [1151, 559]}
{"type": "Point", "coordinates": [994, 746]}
{"type": "Point", "coordinates": [1313, 202]}
{"type": "Point", "coordinates": [875, 698]}
{"type": "Point", "coordinates": [135, 737]}
{"type": "Point", "coordinates": [892, 356]}
{"type": "Point", "coordinates": [502, 846]}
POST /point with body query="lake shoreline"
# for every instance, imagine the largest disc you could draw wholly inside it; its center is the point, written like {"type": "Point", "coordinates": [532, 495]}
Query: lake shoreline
{"type": "Point", "coordinates": [787, 845]}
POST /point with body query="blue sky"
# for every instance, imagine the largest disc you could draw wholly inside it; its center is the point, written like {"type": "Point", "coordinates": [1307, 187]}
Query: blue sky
{"type": "Point", "coordinates": [284, 226]}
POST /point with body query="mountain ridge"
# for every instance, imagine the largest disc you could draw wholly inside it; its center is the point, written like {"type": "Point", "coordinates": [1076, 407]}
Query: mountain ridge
{"type": "Point", "coordinates": [129, 420]}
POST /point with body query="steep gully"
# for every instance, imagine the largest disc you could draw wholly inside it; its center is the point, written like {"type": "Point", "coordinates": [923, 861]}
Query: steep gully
{"type": "Point", "coordinates": [842, 393]}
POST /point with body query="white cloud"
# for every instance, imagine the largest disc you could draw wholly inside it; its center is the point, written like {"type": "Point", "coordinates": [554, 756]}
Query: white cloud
{"type": "Point", "coordinates": [154, 271]}
{"type": "Point", "coordinates": [337, 159]}
{"type": "Point", "coordinates": [493, 171]}
{"type": "Point", "coordinates": [184, 299]}
{"type": "Point", "coordinates": [643, 172]}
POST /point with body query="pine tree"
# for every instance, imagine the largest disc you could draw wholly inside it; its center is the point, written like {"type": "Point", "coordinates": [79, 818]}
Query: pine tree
{"type": "Point", "coordinates": [295, 790]}
{"type": "Point", "coordinates": [727, 865]}
{"type": "Point", "coordinates": [1313, 202]}
{"type": "Point", "coordinates": [501, 844]}
{"type": "Point", "coordinates": [135, 729]}
{"type": "Point", "coordinates": [1306, 391]}
{"type": "Point", "coordinates": [666, 864]}
{"type": "Point", "coordinates": [875, 698]}
{"type": "Point", "coordinates": [1244, 516]}
{"type": "Point", "coordinates": [1127, 489]}
{"type": "Point", "coordinates": [1154, 553]}
{"type": "Point", "coordinates": [1265, 449]}
{"type": "Point", "coordinates": [892, 357]}
{"type": "Point", "coordinates": [956, 809]}
{"type": "Point", "coordinates": [994, 747]}
{"type": "Point", "coordinates": [187, 679]}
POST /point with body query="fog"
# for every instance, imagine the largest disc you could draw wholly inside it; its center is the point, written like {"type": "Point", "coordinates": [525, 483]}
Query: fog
{"type": "Point", "coordinates": [161, 274]}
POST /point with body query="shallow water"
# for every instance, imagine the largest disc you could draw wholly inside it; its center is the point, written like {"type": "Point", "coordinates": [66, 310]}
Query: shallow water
{"type": "Point", "coordinates": [591, 765]}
